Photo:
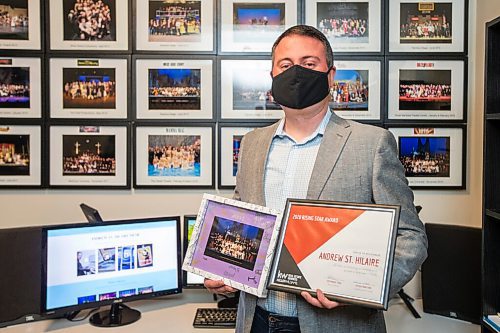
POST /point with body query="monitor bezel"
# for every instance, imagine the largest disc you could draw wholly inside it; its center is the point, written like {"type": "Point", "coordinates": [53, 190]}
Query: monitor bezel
{"type": "Point", "coordinates": [185, 244]}
{"type": "Point", "coordinates": [99, 303]}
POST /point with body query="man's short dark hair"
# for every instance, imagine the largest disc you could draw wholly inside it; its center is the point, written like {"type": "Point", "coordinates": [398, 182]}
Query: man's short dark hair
{"type": "Point", "coordinates": [308, 31]}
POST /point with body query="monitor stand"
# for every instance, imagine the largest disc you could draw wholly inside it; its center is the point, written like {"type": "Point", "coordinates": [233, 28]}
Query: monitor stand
{"type": "Point", "coordinates": [118, 315]}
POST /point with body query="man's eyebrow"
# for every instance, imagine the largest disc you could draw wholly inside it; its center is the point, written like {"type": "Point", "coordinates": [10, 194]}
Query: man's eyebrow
{"type": "Point", "coordinates": [301, 59]}
{"type": "Point", "coordinates": [310, 57]}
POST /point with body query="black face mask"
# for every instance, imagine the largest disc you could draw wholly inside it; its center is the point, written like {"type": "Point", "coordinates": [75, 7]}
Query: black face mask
{"type": "Point", "coordinates": [299, 87]}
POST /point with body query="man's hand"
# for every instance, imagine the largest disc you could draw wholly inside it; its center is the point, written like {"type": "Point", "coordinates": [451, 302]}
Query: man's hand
{"type": "Point", "coordinates": [321, 301]}
{"type": "Point", "coordinates": [218, 287]}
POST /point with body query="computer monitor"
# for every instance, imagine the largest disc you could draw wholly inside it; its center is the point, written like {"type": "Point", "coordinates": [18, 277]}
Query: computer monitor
{"type": "Point", "coordinates": [92, 265]}
{"type": "Point", "coordinates": [91, 214]}
{"type": "Point", "coordinates": [189, 279]}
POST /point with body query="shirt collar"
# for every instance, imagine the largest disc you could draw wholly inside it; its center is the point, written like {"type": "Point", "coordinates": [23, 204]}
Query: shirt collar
{"type": "Point", "coordinates": [280, 131]}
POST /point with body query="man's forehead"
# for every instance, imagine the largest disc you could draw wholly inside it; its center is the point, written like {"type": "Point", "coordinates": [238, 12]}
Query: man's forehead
{"type": "Point", "coordinates": [294, 48]}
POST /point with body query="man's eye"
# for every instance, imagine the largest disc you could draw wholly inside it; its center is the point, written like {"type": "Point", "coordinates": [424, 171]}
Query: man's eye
{"type": "Point", "coordinates": [285, 66]}
{"type": "Point", "coordinates": [309, 64]}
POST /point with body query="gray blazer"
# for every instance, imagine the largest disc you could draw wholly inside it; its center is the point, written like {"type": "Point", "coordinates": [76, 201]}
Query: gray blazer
{"type": "Point", "coordinates": [355, 163]}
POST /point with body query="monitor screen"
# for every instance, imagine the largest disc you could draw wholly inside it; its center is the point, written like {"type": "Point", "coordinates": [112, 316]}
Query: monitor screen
{"type": "Point", "coordinates": [89, 265]}
{"type": "Point", "coordinates": [190, 280]}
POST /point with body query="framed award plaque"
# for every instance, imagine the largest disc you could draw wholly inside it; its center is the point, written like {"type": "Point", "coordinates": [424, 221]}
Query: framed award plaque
{"type": "Point", "coordinates": [344, 249]}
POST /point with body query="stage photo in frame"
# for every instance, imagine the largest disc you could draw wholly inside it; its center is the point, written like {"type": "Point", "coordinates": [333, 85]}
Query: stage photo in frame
{"type": "Point", "coordinates": [249, 230]}
{"type": "Point", "coordinates": [20, 87]}
{"type": "Point", "coordinates": [246, 90]}
{"type": "Point", "coordinates": [177, 25]}
{"type": "Point", "coordinates": [89, 88]}
{"type": "Point", "coordinates": [20, 156]}
{"type": "Point", "coordinates": [427, 26]}
{"type": "Point", "coordinates": [230, 136]}
{"type": "Point", "coordinates": [174, 156]}
{"type": "Point", "coordinates": [350, 26]}
{"type": "Point", "coordinates": [89, 156]}
{"type": "Point", "coordinates": [93, 25]}
{"type": "Point", "coordinates": [174, 88]}
{"type": "Point", "coordinates": [356, 93]}
{"type": "Point", "coordinates": [344, 249]}
{"type": "Point", "coordinates": [20, 25]}
{"type": "Point", "coordinates": [254, 25]}
{"type": "Point", "coordinates": [426, 89]}
{"type": "Point", "coordinates": [433, 157]}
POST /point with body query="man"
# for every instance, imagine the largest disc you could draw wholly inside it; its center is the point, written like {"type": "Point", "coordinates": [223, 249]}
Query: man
{"type": "Point", "coordinates": [314, 154]}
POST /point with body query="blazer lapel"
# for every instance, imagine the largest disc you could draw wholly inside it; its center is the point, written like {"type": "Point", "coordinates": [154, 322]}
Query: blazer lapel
{"type": "Point", "coordinates": [261, 152]}
{"type": "Point", "coordinates": [336, 134]}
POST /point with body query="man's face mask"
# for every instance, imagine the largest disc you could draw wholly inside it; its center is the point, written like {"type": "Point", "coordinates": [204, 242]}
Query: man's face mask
{"type": "Point", "coordinates": [299, 87]}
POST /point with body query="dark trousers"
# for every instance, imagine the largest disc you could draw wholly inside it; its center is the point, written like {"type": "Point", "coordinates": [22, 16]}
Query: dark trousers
{"type": "Point", "coordinates": [267, 322]}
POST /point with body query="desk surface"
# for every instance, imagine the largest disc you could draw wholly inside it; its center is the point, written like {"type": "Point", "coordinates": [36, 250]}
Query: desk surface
{"type": "Point", "coordinates": [176, 314]}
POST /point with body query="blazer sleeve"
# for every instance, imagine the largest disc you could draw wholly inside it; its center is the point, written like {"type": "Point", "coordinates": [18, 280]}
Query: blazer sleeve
{"type": "Point", "coordinates": [391, 186]}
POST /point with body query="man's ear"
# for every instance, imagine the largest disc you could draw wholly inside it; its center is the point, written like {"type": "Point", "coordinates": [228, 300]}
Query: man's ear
{"type": "Point", "coordinates": [331, 75]}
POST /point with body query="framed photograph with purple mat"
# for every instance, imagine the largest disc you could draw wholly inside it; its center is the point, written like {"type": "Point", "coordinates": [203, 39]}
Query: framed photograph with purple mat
{"type": "Point", "coordinates": [233, 241]}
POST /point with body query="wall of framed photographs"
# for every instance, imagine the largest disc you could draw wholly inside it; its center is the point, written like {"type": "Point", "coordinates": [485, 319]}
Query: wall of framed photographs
{"type": "Point", "coordinates": [96, 96]}
{"type": "Point", "coordinates": [90, 87]}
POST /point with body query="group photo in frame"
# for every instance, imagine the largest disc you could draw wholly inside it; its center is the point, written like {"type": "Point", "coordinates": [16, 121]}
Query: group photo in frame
{"type": "Point", "coordinates": [170, 88]}
{"type": "Point", "coordinates": [89, 156]}
{"type": "Point", "coordinates": [174, 156]}
{"type": "Point", "coordinates": [233, 241]}
{"type": "Point", "coordinates": [432, 157]}
{"type": "Point", "coordinates": [92, 25]}
{"type": "Point", "coordinates": [350, 26]}
{"type": "Point", "coordinates": [427, 26]}
{"type": "Point", "coordinates": [20, 24]}
{"type": "Point", "coordinates": [177, 25]}
{"type": "Point", "coordinates": [89, 88]}
{"type": "Point", "coordinates": [254, 25]}
{"type": "Point", "coordinates": [246, 90]}
{"type": "Point", "coordinates": [357, 89]}
{"type": "Point", "coordinates": [230, 136]}
{"type": "Point", "coordinates": [426, 89]}
{"type": "Point", "coordinates": [346, 250]}
{"type": "Point", "coordinates": [20, 87]}
{"type": "Point", "coordinates": [20, 155]}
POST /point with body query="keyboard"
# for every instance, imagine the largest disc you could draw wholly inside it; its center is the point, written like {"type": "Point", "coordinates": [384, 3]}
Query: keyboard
{"type": "Point", "coordinates": [215, 318]}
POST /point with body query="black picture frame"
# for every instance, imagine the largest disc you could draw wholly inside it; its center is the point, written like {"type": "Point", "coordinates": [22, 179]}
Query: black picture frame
{"type": "Point", "coordinates": [250, 73]}
{"type": "Point", "coordinates": [22, 154]}
{"type": "Point", "coordinates": [206, 43]}
{"type": "Point", "coordinates": [22, 70]}
{"type": "Point", "coordinates": [225, 16]}
{"type": "Point", "coordinates": [111, 171]}
{"type": "Point", "coordinates": [28, 39]}
{"type": "Point", "coordinates": [71, 102]}
{"type": "Point", "coordinates": [451, 73]}
{"type": "Point", "coordinates": [202, 71]}
{"type": "Point", "coordinates": [371, 109]}
{"type": "Point", "coordinates": [114, 38]}
{"type": "Point", "coordinates": [194, 169]}
{"type": "Point", "coordinates": [397, 43]}
{"type": "Point", "coordinates": [372, 11]}
{"type": "Point", "coordinates": [446, 171]}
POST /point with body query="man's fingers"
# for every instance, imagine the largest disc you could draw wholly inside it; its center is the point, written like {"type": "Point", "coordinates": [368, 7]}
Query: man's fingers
{"type": "Point", "coordinates": [218, 287]}
{"type": "Point", "coordinates": [311, 300]}
{"type": "Point", "coordinates": [325, 301]}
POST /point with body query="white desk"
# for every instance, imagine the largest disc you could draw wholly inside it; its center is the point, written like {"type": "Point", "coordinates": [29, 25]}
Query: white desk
{"type": "Point", "coordinates": [176, 313]}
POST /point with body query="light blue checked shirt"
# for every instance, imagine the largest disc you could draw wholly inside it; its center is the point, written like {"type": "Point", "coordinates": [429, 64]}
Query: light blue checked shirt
{"type": "Point", "coordinates": [288, 170]}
